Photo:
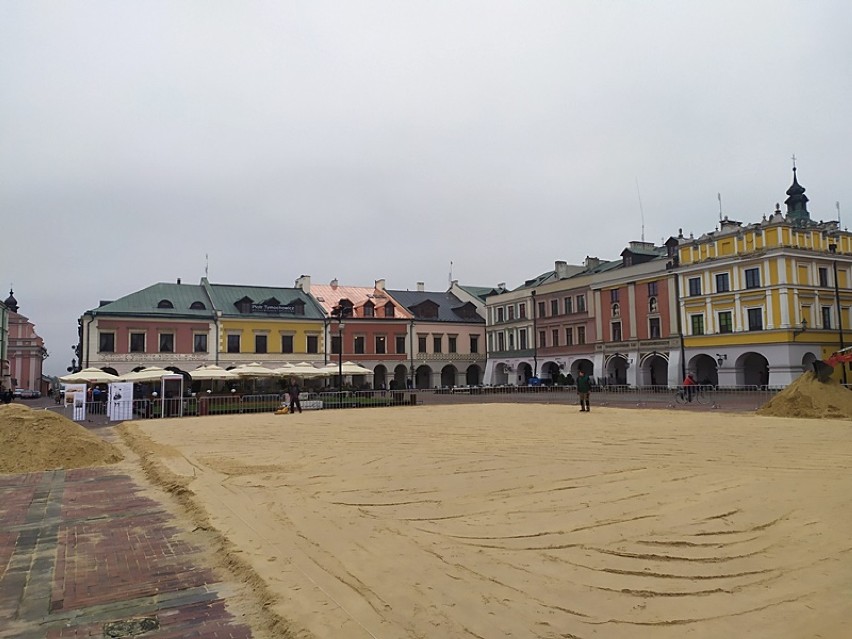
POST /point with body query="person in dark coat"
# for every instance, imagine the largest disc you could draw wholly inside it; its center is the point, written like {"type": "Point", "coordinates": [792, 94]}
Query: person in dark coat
{"type": "Point", "coordinates": [584, 387]}
{"type": "Point", "coordinates": [294, 396]}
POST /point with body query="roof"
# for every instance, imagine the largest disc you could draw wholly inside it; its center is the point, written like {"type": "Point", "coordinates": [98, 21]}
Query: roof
{"type": "Point", "coordinates": [226, 296]}
{"type": "Point", "coordinates": [328, 296]}
{"type": "Point", "coordinates": [480, 292]}
{"type": "Point", "coordinates": [147, 302]}
{"type": "Point", "coordinates": [449, 306]}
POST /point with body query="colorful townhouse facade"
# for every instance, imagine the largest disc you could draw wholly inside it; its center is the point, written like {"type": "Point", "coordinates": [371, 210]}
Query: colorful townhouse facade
{"type": "Point", "coordinates": [25, 350]}
{"type": "Point", "coordinates": [760, 302]}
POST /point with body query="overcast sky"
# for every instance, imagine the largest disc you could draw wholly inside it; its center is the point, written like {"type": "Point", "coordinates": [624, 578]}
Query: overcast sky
{"type": "Point", "coordinates": [384, 139]}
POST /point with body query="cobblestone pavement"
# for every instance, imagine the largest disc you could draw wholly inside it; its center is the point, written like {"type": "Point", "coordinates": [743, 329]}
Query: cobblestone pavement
{"type": "Point", "coordinates": [84, 553]}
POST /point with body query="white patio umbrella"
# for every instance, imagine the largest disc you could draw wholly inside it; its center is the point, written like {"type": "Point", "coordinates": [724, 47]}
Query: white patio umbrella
{"type": "Point", "coordinates": [150, 374]}
{"type": "Point", "coordinates": [349, 368]}
{"type": "Point", "coordinates": [211, 372]}
{"type": "Point", "coordinates": [89, 376]}
{"type": "Point", "coordinates": [303, 370]}
{"type": "Point", "coordinates": [253, 370]}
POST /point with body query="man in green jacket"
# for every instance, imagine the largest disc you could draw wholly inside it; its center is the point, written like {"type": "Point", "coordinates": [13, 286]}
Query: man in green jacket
{"type": "Point", "coordinates": [584, 386]}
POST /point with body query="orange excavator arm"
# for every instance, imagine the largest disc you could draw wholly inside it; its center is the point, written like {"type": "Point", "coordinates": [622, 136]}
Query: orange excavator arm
{"type": "Point", "coordinates": [824, 368]}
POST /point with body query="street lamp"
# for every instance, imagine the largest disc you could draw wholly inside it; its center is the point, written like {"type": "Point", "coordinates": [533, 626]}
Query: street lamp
{"type": "Point", "coordinates": [339, 313]}
{"type": "Point", "coordinates": [534, 335]}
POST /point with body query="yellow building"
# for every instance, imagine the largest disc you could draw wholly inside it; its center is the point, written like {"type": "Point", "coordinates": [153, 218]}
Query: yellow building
{"type": "Point", "coordinates": [760, 302]}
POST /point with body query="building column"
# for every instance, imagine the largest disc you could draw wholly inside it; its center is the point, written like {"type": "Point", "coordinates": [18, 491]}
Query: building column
{"type": "Point", "coordinates": [783, 375]}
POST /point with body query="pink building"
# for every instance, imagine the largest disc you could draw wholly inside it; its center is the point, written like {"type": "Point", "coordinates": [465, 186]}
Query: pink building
{"type": "Point", "coordinates": [25, 350]}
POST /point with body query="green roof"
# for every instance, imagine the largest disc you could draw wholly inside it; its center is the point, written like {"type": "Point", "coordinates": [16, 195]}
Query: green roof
{"type": "Point", "coordinates": [151, 300]}
{"type": "Point", "coordinates": [225, 297]}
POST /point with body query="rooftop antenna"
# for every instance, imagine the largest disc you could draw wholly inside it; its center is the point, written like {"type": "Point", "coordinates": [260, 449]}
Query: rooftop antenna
{"type": "Point", "coordinates": [719, 197]}
{"type": "Point", "coordinates": [450, 281]}
{"type": "Point", "coordinates": [641, 210]}
{"type": "Point", "coordinates": [837, 206]}
{"type": "Point", "coordinates": [206, 264]}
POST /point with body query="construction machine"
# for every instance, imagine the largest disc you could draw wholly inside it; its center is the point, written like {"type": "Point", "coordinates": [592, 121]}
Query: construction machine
{"type": "Point", "coordinates": [823, 368]}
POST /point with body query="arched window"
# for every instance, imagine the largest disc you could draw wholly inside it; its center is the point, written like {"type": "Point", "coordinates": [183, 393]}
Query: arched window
{"type": "Point", "coordinates": [652, 305]}
{"type": "Point", "coordinates": [616, 310]}
{"type": "Point", "coordinates": [165, 304]}
{"type": "Point", "coordinates": [198, 306]}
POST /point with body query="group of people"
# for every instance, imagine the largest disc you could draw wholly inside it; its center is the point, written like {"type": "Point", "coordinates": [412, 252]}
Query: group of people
{"type": "Point", "coordinates": [584, 388]}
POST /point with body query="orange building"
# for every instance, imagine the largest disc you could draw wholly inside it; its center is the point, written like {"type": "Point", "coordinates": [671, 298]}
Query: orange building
{"type": "Point", "coordinates": [25, 350]}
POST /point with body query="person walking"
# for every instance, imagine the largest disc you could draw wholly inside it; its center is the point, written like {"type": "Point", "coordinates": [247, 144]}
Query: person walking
{"type": "Point", "coordinates": [294, 396]}
{"type": "Point", "coordinates": [689, 385]}
{"type": "Point", "coordinates": [584, 387]}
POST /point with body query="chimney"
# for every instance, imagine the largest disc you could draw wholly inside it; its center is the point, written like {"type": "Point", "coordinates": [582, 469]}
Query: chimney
{"type": "Point", "coordinates": [380, 284]}
{"type": "Point", "coordinates": [333, 283]}
{"type": "Point", "coordinates": [561, 269]}
{"type": "Point", "coordinates": [501, 286]}
{"type": "Point", "coordinates": [591, 262]}
{"type": "Point", "coordinates": [421, 287]}
{"type": "Point", "coordinates": [178, 280]}
{"type": "Point", "coordinates": [304, 283]}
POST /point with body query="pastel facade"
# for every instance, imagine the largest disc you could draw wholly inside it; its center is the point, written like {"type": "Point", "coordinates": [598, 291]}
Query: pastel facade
{"type": "Point", "coordinates": [25, 351]}
{"type": "Point", "coordinates": [760, 302]}
{"type": "Point", "coordinates": [5, 371]}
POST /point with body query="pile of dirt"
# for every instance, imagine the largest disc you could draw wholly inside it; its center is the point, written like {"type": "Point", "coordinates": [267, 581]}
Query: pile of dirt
{"type": "Point", "coordinates": [34, 440]}
{"type": "Point", "coordinates": [809, 397]}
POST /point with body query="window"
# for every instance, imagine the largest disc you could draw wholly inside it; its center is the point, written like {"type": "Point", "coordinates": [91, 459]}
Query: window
{"type": "Point", "coordinates": [165, 304]}
{"type": "Point", "coordinates": [390, 310]}
{"type": "Point", "coordinates": [451, 344]}
{"type": "Point", "coordinates": [723, 284]}
{"type": "Point", "coordinates": [358, 344]}
{"type": "Point", "coordinates": [313, 344]}
{"type": "Point", "coordinates": [167, 342]}
{"type": "Point", "coordinates": [106, 343]}
{"type": "Point", "coordinates": [554, 307]}
{"type": "Point", "coordinates": [369, 310]}
{"type": "Point", "coordinates": [569, 336]}
{"type": "Point", "coordinates": [260, 343]}
{"type": "Point", "coordinates": [616, 331]}
{"type": "Point", "coordinates": [652, 305]}
{"type": "Point", "coordinates": [569, 305]}
{"type": "Point", "coordinates": [197, 306]}
{"type": "Point", "coordinates": [474, 343]}
{"type": "Point", "coordinates": [437, 345]}
{"type": "Point", "coordinates": [695, 286]}
{"type": "Point", "coordinates": [137, 342]}
{"type": "Point", "coordinates": [652, 289]}
{"type": "Point", "coordinates": [286, 343]}
{"type": "Point", "coordinates": [233, 343]}
{"type": "Point", "coordinates": [823, 277]}
{"type": "Point", "coordinates": [541, 339]}
{"type": "Point", "coordinates": [501, 341]}
{"type": "Point", "coordinates": [654, 331]}
{"type": "Point", "coordinates": [752, 278]}
{"type": "Point", "coordinates": [581, 335]}
{"type": "Point", "coordinates": [421, 343]}
{"type": "Point", "coordinates": [755, 319]}
{"type": "Point", "coordinates": [500, 312]}
{"type": "Point", "coordinates": [522, 338]}
{"type": "Point", "coordinates": [616, 310]}
{"type": "Point", "coordinates": [541, 307]}
{"type": "Point", "coordinates": [381, 344]}
{"type": "Point", "coordinates": [697, 324]}
{"type": "Point", "coordinates": [199, 343]}
{"type": "Point", "coordinates": [511, 310]}
{"type": "Point", "coordinates": [613, 295]}
{"type": "Point", "coordinates": [400, 343]}
{"type": "Point", "coordinates": [511, 341]}
{"type": "Point", "coordinates": [555, 337]}
{"type": "Point", "coordinates": [522, 310]}
{"type": "Point", "coordinates": [726, 322]}
{"type": "Point", "coordinates": [581, 303]}
{"type": "Point", "coordinates": [335, 344]}
{"type": "Point", "coordinates": [826, 317]}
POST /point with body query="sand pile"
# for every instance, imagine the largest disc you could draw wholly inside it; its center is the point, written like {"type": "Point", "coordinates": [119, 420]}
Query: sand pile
{"type": "Point", "coordinates": [33, 440]}
{"type": "Point", "coordinates": [808, 397]}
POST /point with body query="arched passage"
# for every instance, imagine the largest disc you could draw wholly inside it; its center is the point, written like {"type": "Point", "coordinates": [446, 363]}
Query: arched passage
{"type": "Point", "coordinates": [380, 375]}
{"type": "Point", "coordinates": [654, 370]}
{"type": "Point", "coordinates": [752, 370]}
{"type": "Point", "coordinates": [549, 372]}
{"type": "Point", "coordinates": [808, 361]}
{"type": "Point", "coordinates": [423, 377]}
{"type": "Point", "coordinates": [585, 365]}
{"type": "Point", "coordinates": [525, 372]}
{"type": "Point", "coordinates": [449, 376]}
{"type": "Point", "coordinates": [400, 376]}
{"type": "Point", "coordinates": [705, 369]}
{"type": "Point", "coordinates": [473, 375]}
{"type": "Point", "coordinates": [616, 369]}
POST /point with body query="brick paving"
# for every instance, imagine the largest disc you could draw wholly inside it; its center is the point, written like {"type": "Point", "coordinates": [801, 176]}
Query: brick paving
{"type": "Point", "coordinates": [80, 549]}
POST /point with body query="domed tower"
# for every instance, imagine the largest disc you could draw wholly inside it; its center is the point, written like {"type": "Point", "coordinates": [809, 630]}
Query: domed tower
{"type": "Point", "coordinates": [797, 203]}
{"type": "Point", "coordinates": [10, 302]}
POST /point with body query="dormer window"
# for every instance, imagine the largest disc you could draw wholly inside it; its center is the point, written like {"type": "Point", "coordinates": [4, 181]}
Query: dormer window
{"type": "Point", "coordinates": [198, 306]}
{"type": "Point", "coordinates": [390, 310]}
{"type": "Point", "coordinates": [369, 309]}
{"type": "Point", "coordinates": [165, 304]}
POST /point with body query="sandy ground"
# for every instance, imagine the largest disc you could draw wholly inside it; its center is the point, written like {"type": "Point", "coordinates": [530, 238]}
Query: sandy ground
{"type": "Point", "coordinates": [531, 521]}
